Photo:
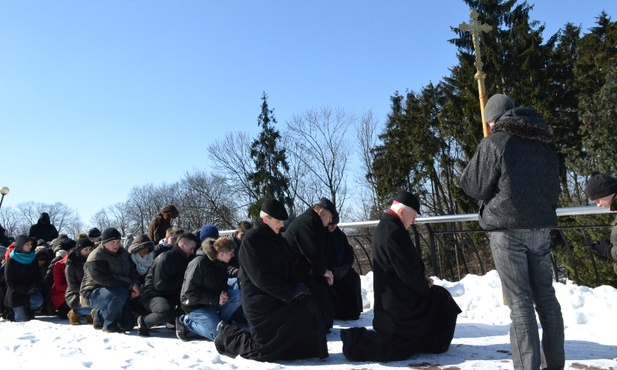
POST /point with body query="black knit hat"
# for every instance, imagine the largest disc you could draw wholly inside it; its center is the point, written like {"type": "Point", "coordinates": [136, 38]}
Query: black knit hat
{"type": "Point", "coordinates": [275, 209]}
{"type": "Point", "coordinates": [67, 244]}
{"type": "Point", "coordinates": [110, 234]}
{"type": "Point", "coordinates": [600, 185]}
{"type": "Point", "coordinates": [83, 243]}
{"type": "Point", "coordinates": [408, 199]}
{"type": "Point", "coordinates": [94, 232]}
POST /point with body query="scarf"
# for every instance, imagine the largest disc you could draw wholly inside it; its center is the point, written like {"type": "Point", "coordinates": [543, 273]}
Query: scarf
{"type": "Point", "coordinates": [142, 263]}
{"type": "Point", "coordinates": [23, 258]}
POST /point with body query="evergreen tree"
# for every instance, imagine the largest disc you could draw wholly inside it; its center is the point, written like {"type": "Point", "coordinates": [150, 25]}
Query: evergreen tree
{"type": "Point", "coordinates": [268, 179]}
{"type": "Point", "coordinates": [596, 83]}
{"type": "Point", "coordinates": [392, 163]}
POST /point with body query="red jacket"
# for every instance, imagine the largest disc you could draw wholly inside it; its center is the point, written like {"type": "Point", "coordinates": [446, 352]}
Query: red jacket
{"type": "Point", "coordinates": [58, 289]}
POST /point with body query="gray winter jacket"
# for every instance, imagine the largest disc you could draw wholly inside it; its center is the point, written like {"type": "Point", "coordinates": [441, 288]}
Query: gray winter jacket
{"type": "Point", "coordinates": [515, 173]}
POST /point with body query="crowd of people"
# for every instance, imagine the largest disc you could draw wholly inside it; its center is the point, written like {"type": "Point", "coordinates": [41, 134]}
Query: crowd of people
{"type": "Point", "coordinates": [272, 290]}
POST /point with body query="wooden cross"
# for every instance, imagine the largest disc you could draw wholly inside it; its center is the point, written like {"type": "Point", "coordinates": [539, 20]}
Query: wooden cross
{"type": "Point", "coordinates": [475, 28]}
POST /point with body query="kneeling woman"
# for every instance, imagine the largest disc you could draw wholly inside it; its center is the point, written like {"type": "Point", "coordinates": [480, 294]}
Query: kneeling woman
{"type": "Point", "coordinates": [24, 292]}
{"type": "Point", "coordinates": [205, 296]}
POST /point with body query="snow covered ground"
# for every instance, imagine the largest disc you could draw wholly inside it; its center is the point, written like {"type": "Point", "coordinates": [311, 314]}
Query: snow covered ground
{"type": "Point", "coordinates": [481, 340]}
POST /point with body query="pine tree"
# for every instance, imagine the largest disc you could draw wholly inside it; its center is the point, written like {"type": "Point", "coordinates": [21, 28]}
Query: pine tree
{"type": "Point", "coordinates": [268, 179]}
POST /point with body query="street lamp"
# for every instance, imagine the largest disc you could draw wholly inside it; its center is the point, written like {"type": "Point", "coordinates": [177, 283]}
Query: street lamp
{"type": "Point", "coordinates": [4, 191]}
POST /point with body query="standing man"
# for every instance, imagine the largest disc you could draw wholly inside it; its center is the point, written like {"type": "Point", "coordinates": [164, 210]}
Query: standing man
{"type": "Point", "coordinates": [110, 281]}
{"type": "Point", "coordinates": [44, 229]}
{"type": "Point", "coordinates": [515, 174]}
{"type": "Point", "coordinates": [411, 314]}
{"type": "Point", "coordinates": [284, 319]}
{"type": "Point", "coordinates": [601, 189]}
{"type": "Point", "coordinates": [161, 293]}
{"type": "Point", "coordinates": [306, 236]}
{"type": "Point", "coordinates": [161, 222]}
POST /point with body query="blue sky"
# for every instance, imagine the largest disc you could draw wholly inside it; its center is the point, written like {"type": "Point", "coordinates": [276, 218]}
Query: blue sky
{"type": "Point", "coordinates": [97, 97]}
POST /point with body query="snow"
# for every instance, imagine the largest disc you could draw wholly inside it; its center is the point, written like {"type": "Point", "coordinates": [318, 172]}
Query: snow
{"type": "Point", "coordinates": [481, 340]}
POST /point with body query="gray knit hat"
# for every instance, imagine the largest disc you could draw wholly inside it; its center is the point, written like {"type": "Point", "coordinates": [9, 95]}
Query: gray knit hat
{"type": "Point", "coordinates": [600, 185]}
{"type": "Point", "coordinates": [496, 106]}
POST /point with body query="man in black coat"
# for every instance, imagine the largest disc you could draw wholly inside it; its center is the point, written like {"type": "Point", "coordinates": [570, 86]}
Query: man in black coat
{"type": "Point", "coordinates": [161, 293]}
{"type": "Point", "coordinates": [411, 314]}
{"type": "Point", "coordinates": [602, 190]}
{"type": "Point", "coordinates": [306, 237]}
{"type": "Point", "coordinates": [347, 288]}
{"type": "Point", "coordinates": [43, 229]}
{"type": "Point", "coordinates": [284, 319]}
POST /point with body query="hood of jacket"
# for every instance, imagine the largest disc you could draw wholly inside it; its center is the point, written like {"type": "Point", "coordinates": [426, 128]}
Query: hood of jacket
{"type": "Point", "coordinates": [207, 249]}
{"type": "Point", "coordinates": [525, 123]}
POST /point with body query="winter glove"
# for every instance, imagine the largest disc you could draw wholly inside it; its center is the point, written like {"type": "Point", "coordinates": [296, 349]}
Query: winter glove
{"type": "Point", "coordinates": [601, 248]}
{"type": "Point", "coordinates": [232, 271]}
{"type": "Point", "coordinates": [340, 272]}
{"type": "Point", "coordinates": [300, 291]}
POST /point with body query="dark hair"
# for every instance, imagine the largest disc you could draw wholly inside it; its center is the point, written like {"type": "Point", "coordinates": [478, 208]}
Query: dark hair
{"type": "Point", "coordinates": [188, 236]}
{"type": "Point", "coordinates": [244, 226]}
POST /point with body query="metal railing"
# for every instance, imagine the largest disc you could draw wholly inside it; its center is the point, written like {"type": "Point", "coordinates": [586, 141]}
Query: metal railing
{"type": "Point", "coordinates": [432, 241]}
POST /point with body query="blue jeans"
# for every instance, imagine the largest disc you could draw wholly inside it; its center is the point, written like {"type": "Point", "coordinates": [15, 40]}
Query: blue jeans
{"type": "Point", "coordinates": [203, 321]}
{"type": "Point", "coordinates": [523, 261]}
{"type": "Point", "coordinates": [113, 308]}
{"type": "Point", "coordinates": [232, 283]}
{"type": "Point", "coordinates": [35, 303]}
{"type": "Point", "coordinates": [83, 311]}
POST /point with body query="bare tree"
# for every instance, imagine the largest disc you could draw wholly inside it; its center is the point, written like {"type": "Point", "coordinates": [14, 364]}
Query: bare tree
{"type": "Point", "coordinates": [321, 154]}
{"type": "Point", "coordinates": [231, 158]}
{"type": "Point", "coordinates": [366, 137]}
{"type": "Point", "coordinates": [120, 216]}
{"type": "Point", "coordinates": [207, 200]}
{"type": "Point", "coordinates": [11, 220]}
{"type": "Point", "coordinates": [101, 220]}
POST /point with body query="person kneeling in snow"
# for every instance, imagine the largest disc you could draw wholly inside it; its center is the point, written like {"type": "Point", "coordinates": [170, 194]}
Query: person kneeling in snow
{"type": "Point", "coordinates": [205, 296]}
{"type": "Point", "coordinates": [285, 321]}
{"type": "Point", "coordinates": [110, 281]}
{"type": "Point", "coordinates": [411, 314]}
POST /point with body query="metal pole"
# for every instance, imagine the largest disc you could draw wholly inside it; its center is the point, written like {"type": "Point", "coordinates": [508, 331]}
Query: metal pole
{"type": "Point", "coordinates": [4, 191]}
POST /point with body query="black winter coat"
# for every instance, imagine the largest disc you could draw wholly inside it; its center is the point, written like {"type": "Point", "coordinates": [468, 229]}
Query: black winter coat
{"type": "Point", "coordinates": [43, 229]}
{"type": "Point", "coordinates": [204, 280]}
{"type": "Point", "coordinates": [340, 252]}
{"type": "Point", "coordinates": [403, 299]}
{"type": "Point", "coordinates": [306, 237]}
{"type": "Point", "coordinates": [165, 276]}
{"type": "Point", "coordinates": [20, 280]}
{"type": "Point", "coordinates": [280, 327]}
